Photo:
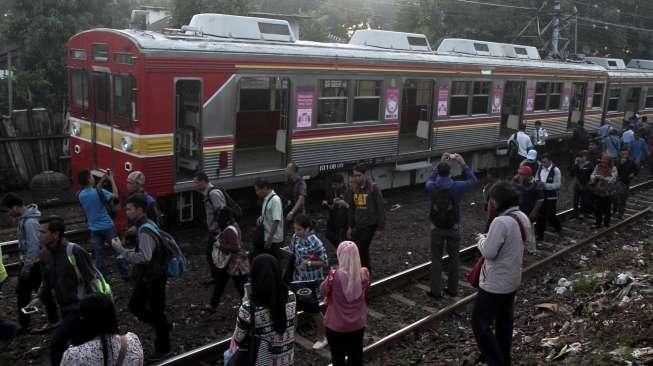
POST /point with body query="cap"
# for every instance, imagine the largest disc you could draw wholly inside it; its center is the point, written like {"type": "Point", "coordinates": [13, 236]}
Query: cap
{"type": "Point", "coordinates": [531, 155]}
{"type": "Point", "coordinates": [137, 177]}
{"type": "Point", "coordinates": [525, 170]}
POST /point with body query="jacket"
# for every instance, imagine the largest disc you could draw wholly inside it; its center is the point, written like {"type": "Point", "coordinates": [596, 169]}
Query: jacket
{"type": "Point", "coordinates": [150, 258]}
{"type": "Point", "coordinates": [458, 187]}
{"type": "Point", "coordinates": [582, 174]}
{"type": "Point", "coordinates": [59, 275]}
{"type": "Point", "coordinates": [366, 207]}
{"type": "Point", "coordinates": [627, 170]}
{"type": "Point", "coordinates": [552, 180]}
{"type": "Point", "coordinates": [28, 237]}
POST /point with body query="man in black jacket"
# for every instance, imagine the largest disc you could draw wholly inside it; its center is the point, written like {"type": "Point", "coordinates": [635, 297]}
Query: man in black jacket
{"type": "Point", "coordinates": [581, 172]}
{"type": "Point", "coordinates": [150, 261]}
{"type": "Point", "coordinates": [67, 270]}
{"type": "Point", "coordinates": [366, 213]}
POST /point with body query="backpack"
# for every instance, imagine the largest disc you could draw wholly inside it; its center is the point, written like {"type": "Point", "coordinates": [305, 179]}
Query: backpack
{"type": "Point", "coordinates": [98, 285]}
{"type": "Point", "coordinates": [177, 262]}
{"type": "Point", "coordinates": [108, 204]}
{"type": "Point", "coordinates": [444, 210]}
{"type": "Point", "coordinates": [513, 146]}
{"type": "Point", "coordinates": [230, 204]}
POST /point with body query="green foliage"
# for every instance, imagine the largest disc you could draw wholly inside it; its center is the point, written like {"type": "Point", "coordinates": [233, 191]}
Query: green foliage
{"type": "Point", "coordinates": [587, 285]}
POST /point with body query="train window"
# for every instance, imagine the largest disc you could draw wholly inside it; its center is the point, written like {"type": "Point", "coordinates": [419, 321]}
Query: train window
{"type": "Point", "coordinates": [100, 52]}
{"type": "Point", "coordinates": [79, 88]}
{"type": "Point", "coordinates": [102, 92]}
{"type": "Point", "coordinates": [123, 58]}
{"type": "Point", "coordinates": [521, 51]}
{"type": "Point", "coordinates": [332, 103]}
{"type": "Point", "coordinates": [271, 28]}
{"type": "Point", "coordinates": [367, 100]}
{"type": "Point", "coordinates": [554, 96]}
{"type": "Point", "coordinates": [649, 98]}
{"type": "Point", "coordinates": [78, 54]}
{"type": "Point", "coordinates": [613, 99]}
{"type": "Point", "coordinates": [255, 94]}
{"type": "Point", "coordinates": [541, 90]}
{"type": "Point", "coordinates": [612, 63]}
{"type": "Point", "coordinates": [123, 95]}
{"type": "Point", "coordinates": [482, 47]}
{"type": "Point", "coordinates": [417, 41]}
{"type": "Point", "coordinates": [547, 96]}
{"type": "Point", "coordinates": [597, 96]}
{"type": "Point", "coordinates": [481, 98]}
{"type": "Point", "coordinates": [459, 98]}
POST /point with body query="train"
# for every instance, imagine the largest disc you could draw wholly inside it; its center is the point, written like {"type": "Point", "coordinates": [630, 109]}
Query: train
{"type": "Point", "coordinates": [240, 97]}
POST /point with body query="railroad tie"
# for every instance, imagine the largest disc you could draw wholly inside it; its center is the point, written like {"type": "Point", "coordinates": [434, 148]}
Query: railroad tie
{"type": "Point", "coordinates": [402, 299]}
{"type": "Point", "coordinates": [374, 314]}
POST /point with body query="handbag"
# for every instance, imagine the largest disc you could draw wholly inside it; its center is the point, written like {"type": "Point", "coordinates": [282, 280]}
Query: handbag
{"type": "Point", "coordinates": [247, 357]}
{"type": "Point", "coordinates": [474, 275]}
{"type": "Point", "coordinates": [220, 257]}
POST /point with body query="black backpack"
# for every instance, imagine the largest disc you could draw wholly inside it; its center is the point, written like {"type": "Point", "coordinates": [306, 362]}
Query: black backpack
{"type": "Point", "coordinates": [444, 210]}
{"type": "Point", "coordinates": [230, 203]}
{"type": "Point", "coordinates": [513, 146]}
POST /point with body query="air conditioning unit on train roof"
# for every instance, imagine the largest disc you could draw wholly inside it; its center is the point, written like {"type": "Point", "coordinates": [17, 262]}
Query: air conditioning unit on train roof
{"type": "Point", "coordinates": [239, 27]}
{"type": "Point", "coordinates": [608, 63]}
{"type": "Point", "coordinates": [390, 40]}
{"type": "Point", "coordinates": [637, 63]}
{"type": "Point", "coordinates": [459, 46]}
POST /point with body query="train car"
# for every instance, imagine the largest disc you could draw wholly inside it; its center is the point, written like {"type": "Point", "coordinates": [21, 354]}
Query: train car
{"type": "Point", "coordinates": [240, 97]}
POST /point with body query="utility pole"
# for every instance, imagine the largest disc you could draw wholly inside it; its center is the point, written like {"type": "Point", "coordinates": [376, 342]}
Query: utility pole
{"type": "Point", "coordinates": [10, 88]}
{"type": "Point", "coordinates": [576, 33]}
{"type": "Point", "coordinates": [555, 41]}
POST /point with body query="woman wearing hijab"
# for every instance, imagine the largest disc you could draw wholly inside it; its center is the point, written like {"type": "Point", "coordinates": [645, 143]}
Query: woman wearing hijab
{"type": "Point", "coordinates": [274, 314]}
{"type": "Point", "coordinates": [345, 290]}
{"type": "Point", "coordinates": [602, 182]}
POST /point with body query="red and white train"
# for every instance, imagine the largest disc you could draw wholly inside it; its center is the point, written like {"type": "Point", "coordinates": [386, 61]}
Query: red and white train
{"type": "Point", "coordinates": [240, 97]}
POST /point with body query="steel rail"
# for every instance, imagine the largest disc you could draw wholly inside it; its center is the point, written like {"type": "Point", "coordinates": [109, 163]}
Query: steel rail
{"type": "Point", "coordinates": [211, 352]}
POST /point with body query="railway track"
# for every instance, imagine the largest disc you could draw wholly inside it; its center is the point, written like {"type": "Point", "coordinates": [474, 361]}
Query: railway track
{"type": "Point", "coordinates": [406, 290]}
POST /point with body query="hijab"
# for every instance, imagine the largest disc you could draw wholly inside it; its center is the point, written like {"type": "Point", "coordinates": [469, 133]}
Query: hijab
{"type": "Point", "coordinates": [268, 289]}
{"type": "Point", "coordinates": [349, 272]}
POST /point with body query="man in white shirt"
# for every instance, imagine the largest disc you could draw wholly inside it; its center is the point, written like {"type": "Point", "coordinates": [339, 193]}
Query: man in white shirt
{"type": "Point", "coordinates": [550, 175]}
{"type": "Point", "coordinates": [524, 144]}
{"type": "Point", "coordinates": [271, 218]}
{"type": "Point", "coordinates": [539, 137]}
{"type": "Point", "coordinates": [628, 137]}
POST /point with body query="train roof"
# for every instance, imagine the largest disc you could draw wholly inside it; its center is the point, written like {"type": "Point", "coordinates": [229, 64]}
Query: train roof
{"type": "Point", "coordinates": [618, 69]}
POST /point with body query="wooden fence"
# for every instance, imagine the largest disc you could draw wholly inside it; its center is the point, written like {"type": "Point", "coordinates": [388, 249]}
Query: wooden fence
{"type": "Point", "coordinates": [31, 141]}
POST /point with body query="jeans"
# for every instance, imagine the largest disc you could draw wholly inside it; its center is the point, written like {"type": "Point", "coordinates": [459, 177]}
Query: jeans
{"type": "Point", "coordinates": [602, 210]}
{"type": "Point", "coordinates": [362, 237]}
{"type": "Point", "coordinates": [441, 238]}
{"type": "Point", "coordinates": [498, 310]}
{"type": "Point", "coordinates": [148, 304]}
{"type": "Point", "coordinates": [24, 288]}
{"type": "Point", "coordinates": [98, 240]}
{"type": "Point", "coordinates": [582, 201]}
{"type": "Point", "coordinates": [547, 214]}
{"type": "Point", "coordinates": [349, 344]}
{"type": "Point", "coordinates": [67, 332]}
{"type": "Point", "coordinates": [221, 279]}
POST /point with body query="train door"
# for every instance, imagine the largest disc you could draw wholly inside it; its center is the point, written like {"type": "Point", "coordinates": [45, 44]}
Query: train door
{"type": "Point", "coordinates": [632, 104]}
{"type": "Point", "coordinates": [100, 123]}
{"type": "Point", "coordinates": [262, 124]}
{"type": "Point", "coordinates": [188, 128]}
{"type": "Point", "coordinates": [577, 104]}
{"type": "Point", "coordinates": [512, 108]}
{"type": "Point", "coordinates": [415, 127]}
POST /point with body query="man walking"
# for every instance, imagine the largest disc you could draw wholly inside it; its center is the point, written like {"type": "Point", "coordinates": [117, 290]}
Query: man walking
{"type": "Point", "coordinates": [445, 195]}
{"type": "Point", "coordinates": [295, 192]}
{"type": "Point", "coordinates": [29, 277]}
{"type": "Point", "coordinates": [150, 261]}
{"type": "Point", "coordinates": [214, 202]}
{"type": "Point", "coordinates": [95, 200]}
{"type": "Point", "coordinates": [270, 222]}
{"type": "Point", "coordinates": [136, 184]}
{"type": "Point", "coordinates": [550, 175]}
{"type": "Point", "coordinates": [366, 213]}
{"type": "Point", "coordinates": [521, 145]}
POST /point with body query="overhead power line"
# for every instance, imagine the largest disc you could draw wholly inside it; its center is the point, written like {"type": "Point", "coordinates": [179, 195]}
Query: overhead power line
{"type": "Point", "coordinates": [485, 3]}
{"type": "Point", "coordinates": [615, 24]}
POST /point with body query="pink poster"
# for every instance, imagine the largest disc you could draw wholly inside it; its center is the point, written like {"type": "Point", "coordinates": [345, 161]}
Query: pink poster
{"type": "Point", "coordinates": [566, 94]}
{"type": "Point", "coordinates": [497, 99]}
{"type": "Point", "coordinates": [304, 109]}
{"type": "Point", "coordinates": [530, 98]}
{"type": "Point", "coordinates": [391, 105]}
{"type": "Point", "coordinates": [443, 101]}
{"type": "Point", "coordinates": [590, 94]}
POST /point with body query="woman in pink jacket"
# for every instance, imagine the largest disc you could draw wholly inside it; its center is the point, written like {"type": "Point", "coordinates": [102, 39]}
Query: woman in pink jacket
{"type": "Point", "coordinates": [345, 291]}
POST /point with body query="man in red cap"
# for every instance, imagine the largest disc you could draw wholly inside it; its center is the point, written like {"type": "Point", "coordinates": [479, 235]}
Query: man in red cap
{"type": "Point", "coordinates": [531, 192]}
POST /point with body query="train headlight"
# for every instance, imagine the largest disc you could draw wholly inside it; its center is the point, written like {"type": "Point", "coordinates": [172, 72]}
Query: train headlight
{"type": "Point", "coordinates": [75, 129]}
{"type": "Point", "coordinates": [126, 143]}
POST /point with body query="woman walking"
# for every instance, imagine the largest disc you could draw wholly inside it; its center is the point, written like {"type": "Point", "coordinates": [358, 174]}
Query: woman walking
{"type": "Point", "coordinates": [602, 183]}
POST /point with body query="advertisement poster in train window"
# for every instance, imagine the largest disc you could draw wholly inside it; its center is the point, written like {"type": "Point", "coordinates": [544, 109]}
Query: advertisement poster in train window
{"type": "Point", "coordinates": [305, 109]}
{"type": "Point", "coordinates": [566, 94]}
{"type": "Point", "coordinates": [497, 99]}
{"type": "Point", "coordinates": [589, 94]}
{"type": "Point", "coordinates": [443, 101]}
{"type": "Point", "coordinates": [530, 97]}
{"type": "Point", "coordinates": [391, 105]}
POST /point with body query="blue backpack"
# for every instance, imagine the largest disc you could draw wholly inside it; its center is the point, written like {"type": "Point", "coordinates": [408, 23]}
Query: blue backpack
{"type": "Point", "coordinates": [177, 262]}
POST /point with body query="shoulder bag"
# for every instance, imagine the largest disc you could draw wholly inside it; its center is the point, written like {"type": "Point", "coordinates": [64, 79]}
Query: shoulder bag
{"type": "Point", "coordinates": [247, 357]}
{"type": "Point", "coordinates": [219, 256]}
{"type": "Point", "coordinates": [259, 232]}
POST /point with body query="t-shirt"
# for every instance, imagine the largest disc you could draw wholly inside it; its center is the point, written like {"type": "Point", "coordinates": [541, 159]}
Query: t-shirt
{"type": "Point", "coordinates": [529, 195]}
{"type": "Point", "coordinates": [271, 212]}
{"type": "Point", "coordinates": [96, 214]}
{"type": "Point", "coordinates": [90, 353]}
{"type": "Point", "coordinates": [523, 142]}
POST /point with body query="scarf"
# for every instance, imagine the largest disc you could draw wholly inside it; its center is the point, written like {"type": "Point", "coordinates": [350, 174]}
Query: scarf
{"type": "Point", "coordinates": [350, 273]}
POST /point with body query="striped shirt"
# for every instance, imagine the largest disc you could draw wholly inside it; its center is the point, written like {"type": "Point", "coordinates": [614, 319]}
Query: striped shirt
{"type": "Point", "coordinates": [275, 349]}
{"type": "Point", "coordinates": [311, 249]}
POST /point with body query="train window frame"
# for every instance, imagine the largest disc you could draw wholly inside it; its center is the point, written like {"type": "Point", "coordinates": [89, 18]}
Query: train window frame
{"type": "Point", "coordinates": [481, 47]}
{"type": "Point", "coordinates": [85, 96]}
{"type": "Point", "coordinates": [101, 55]}
{"type": "Point", "coordinates": [555, 93]}
{"type": "Point", "coordinates": [549, 90]}
{"type": "Point", "coordinates": [649, 97]}
{"type": "Point", "coordinates": [613, 98]}
{"type": "Point", "coordinates": [457, 96]}
{"type": "Point", "coordinates": [541, 91]}
{"type": "Point", "coordinates": [122, 58]}
{"type": "Point", "coordinates": [78, 54]}
{"type": "Point", "coordinates": [597, 95]}
{"type": "Point", "coordinates": [482, 93]}
{"type": "Point", "coordinates": [357, 99]}
{"type": "Point", "coordinates": [127, 102]}
{"type": "Point", "coordinates": [328, 99]}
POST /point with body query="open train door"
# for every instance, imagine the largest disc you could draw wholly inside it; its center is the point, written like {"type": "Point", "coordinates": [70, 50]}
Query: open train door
{"type": "Point", "coordinates": [632, 102]}
{"type": "Point", "coordinates": [415, 129]}
{"type": "Point", "coordinates": [512, 109]}
{"type": "Point", "coordinates": [578, 102]}
{"type": "Point", "coordinates": [261, 138]}
{"type": "Point", "coordinates": [100, 122]}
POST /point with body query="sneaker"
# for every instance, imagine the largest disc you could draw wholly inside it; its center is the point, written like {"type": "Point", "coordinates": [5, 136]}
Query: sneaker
{"type": "Point", "coordinates": [159, 356]}
{"type": "Point", "coordinates": [320, 344]}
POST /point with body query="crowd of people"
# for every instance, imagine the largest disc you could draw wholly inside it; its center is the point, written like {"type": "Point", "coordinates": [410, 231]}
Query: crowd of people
{"type": "Point", "coordinates": [285, 268]}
